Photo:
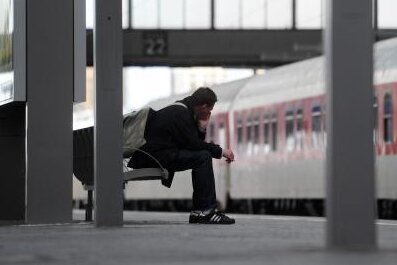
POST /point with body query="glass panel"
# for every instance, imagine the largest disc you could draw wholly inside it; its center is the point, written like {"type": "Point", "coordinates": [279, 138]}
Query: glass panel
{"type": "Point", "coordinates": [249, 138]}
{"type": "Point", "coordinates": [227, 14]}
{"type": "Point", "coordinates": [89, 14]}
{"type": "Point", "coordinates": [198, 14]}
{"type": "Point", "coordinates": [308, 14]}
{"type": "Point", "coordinates": [256, 129]}
{"type": "Point", "coordinates": [299, 130]}
{"type": "Point", "coordinates": [387, 104]}
{"type": "Point", "coordinates": [253, 14]}
{"type": "Point", "coordinates": [145, 14]}
{"type": "Point", "coordinates": [248, 127]}
{"type": "Point", "coordinates": [126, 13]}
{"type": "Point", "coordinates": [239, 131]}
{"type": "Point", "coordinates": [387, 119]}
{"type": "Point", "coordinates": [279, 14]}
{"type": "Point", "coordinates": [266, 134]}
{"type": "Point", "coordinates": [6, 52]}
{"type": "Point", "coordinates": [387, 14]}
{"type": "Point", "coordinates": [171, 14]}
{"type": "Point", "coordinates": [387, 130]}
{"type": "Point", "coordinates": [222, 135]}
{"type": "Point", "coordinates": [316, 126]}
{"type": "Point", "coordinates": [274, 132]}
{"type": "Point", "coordinates": [289, 131]}
{"type": "Point", "coordinates": [375, 106]}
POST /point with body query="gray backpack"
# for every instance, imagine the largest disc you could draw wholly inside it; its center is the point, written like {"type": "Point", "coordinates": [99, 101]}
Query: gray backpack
{"type": "Point", "coordinates": [134, 128]}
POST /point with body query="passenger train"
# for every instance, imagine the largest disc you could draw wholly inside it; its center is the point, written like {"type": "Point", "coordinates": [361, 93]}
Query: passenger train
{"type": "Point", "coordinates": [275, 123]}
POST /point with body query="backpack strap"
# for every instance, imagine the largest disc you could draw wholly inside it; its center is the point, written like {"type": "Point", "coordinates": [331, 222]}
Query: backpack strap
{"type": "Point", "coordinates": [178, 104]}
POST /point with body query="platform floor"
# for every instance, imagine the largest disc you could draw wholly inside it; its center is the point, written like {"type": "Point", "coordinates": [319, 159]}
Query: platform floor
{"type": "Point", "coordinates": [167, 238]}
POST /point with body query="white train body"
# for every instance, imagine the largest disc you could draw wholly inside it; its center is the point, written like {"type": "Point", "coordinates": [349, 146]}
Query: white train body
{"type": "Point", "coordinates": [275, 123]}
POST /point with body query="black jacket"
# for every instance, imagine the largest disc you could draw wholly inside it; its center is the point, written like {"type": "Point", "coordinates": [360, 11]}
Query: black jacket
{"type": "Point", "coordinates": [171, 129]}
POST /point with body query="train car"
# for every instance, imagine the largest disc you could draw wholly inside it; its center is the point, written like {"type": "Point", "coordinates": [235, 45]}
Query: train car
{"type": "Point", "coordinates": [280, 137]}
{"type": "Point", "coordinates": [275, 123]}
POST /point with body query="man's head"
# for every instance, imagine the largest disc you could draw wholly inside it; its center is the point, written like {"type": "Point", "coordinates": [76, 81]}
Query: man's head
{"type": "Point", "coordinates": [203, 102]}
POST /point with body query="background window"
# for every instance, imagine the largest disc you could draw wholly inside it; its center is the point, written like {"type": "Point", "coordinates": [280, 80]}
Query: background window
{"type": "Point", "coordinates": [316, 126]}
{"type": "Point", "coordinates": [248, 127]}
{"type": "Point", "coordinates": [89, 14]}
{"type": "Point", "coordinates": [125, 14]}
{"type": "Point", "coordinates": [227, 14]}
{"type": "Point", "coordinates": [309, 14]}
{"type": "Point", "coordinates": [145, 14]}
{"type": "Point", "coordinates": [278, 14]}
{"type": "Point", "coordinates": [221, 135]}
{"type": "Point", "coordinates": [387, 119]}
{"type": "Point", "coordinates": [266, 133]}
{"type": "Point", "coordinates": [256, 128]}
{"type": "Point", "coordinates": [197, 14]}
{"type": "Point", "coordinates": [253, 14]}
{"type": "Point", "coordinates": [171, 14]}
{"type": "Point", "coordinates": [375, 109]}
{"type": "Point", "coordinates": [239, 131]}
{"type": "Point", "coordinates": [289, 130]}
{"type": "Point", "coordinates": [299, 130]}
{"type": "Point", "coordinates": [274, 132]}
{"type": "Point", "coordinates": [387, 18]}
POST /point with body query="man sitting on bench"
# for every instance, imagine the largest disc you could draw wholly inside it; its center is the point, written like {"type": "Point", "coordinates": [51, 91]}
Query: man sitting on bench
{"type": "Point", "coordinates": [175, 137]}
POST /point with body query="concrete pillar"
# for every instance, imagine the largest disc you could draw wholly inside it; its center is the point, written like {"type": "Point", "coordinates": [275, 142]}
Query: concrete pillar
{"type": "Point", "coordinates": [108, 167]}
{"type": "Point", "coordinates": [49, 83]}
{"type": "Point", "coordinates": [350, 156]}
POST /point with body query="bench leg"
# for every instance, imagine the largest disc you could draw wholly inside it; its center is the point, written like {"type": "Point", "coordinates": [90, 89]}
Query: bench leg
{"type": "Point", "coordinates": [88, 207]}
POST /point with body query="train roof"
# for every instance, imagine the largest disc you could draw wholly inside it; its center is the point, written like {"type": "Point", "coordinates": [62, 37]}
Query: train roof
{"type": "Point", "coordinates": [306, 78]}
{"type": "Point", "coordinates": [226, 93]}
{"type": "Point", "coordinates": [385, 63]}
{"type": "Point", "coordinates": [290, 82]}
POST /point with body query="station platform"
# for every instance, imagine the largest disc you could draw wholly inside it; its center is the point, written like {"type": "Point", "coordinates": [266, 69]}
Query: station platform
{"type": "Point", "coordinates": [167, 238]}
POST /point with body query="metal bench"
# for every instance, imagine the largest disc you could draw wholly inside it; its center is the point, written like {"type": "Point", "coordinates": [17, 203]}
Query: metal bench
{"type": "Point", "coordinates": [83, 166]}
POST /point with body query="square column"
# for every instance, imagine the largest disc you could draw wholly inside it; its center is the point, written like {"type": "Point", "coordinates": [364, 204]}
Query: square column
{"type": "Point", "coordinates": [351, 204]}
{"type": "Point", "coordinates": [49, 84]}
{"type": "Point", "coordinates": [108, 134]}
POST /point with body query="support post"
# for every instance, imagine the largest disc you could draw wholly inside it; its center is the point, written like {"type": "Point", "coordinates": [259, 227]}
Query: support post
{"type": "Point", "coordinates": [108, 167]}
{"type": "Point", "coordinates": [350, 154]}
{"type": "Point", "coordinates": [49, 143]}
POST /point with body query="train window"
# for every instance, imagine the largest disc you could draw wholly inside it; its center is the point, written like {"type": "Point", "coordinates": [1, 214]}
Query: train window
{"type": "Point", "coordinates": [249, 126]}
{"type": "Point", "coordinates": [375, 109]}
{"type": "Point", "coordinates": [274, 132]}
{"type": "Point", "coordinates": [299, 129]}
{"type": "Point", "coordinates": [239, 130]}
{"type": "Point", "coordinates": [316, 126]}
{"type": "Point", "coordinates": [289, 130]}
{"type": "Point", "coordinates": [324, 125]}
{"type": "Point", "coordinates": [266, 133]}
{"type": "Point", "coordinates": [256, 128]}
{"type": "Point", "coordinates": [222, 135]}
{"type": "Point", "coordinates": [387, 119]}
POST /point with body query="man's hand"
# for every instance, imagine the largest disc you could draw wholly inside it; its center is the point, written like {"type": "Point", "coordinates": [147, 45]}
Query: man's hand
{"type": "Point", "coordinates": [228, 154]}
{"type": "Point", "coordinates": [203, 122]}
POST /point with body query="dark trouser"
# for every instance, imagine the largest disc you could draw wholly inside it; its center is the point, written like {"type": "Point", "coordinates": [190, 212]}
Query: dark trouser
{"type": "Point", "coordinates": [204, 194]}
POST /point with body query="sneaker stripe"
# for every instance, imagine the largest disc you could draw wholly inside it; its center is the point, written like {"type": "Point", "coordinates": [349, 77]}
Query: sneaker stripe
{"type": "Point", "coordinates": [213, 218]}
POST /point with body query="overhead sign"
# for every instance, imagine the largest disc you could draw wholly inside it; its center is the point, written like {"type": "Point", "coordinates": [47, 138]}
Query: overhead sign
{"type": "Point", "coordinates": [155, 43]}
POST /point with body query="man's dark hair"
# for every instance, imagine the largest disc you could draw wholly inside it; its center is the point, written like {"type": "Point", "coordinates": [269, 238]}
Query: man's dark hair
{"type": "Point", "coordinates": [204, 95]}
